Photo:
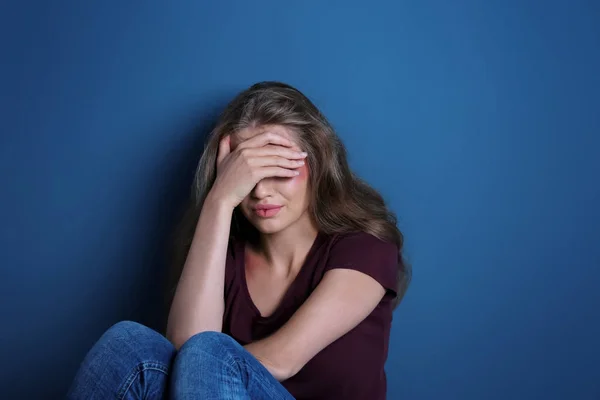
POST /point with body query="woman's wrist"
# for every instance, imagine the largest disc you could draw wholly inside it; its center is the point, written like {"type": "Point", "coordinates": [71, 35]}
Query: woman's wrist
{"type": "Point", "coordinates": [217, 204]}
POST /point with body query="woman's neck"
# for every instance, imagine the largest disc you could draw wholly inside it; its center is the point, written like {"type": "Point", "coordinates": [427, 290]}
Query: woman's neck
{"type": "Point", "coordinates": [286, 251]}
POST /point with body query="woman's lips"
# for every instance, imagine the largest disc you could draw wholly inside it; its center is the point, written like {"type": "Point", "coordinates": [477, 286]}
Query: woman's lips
{"type": "Point", "coordinates": [267, 211]}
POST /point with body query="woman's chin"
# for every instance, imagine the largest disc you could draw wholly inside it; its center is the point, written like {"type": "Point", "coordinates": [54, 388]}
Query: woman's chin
{"type": "Point", "coordinates": [268, 227]}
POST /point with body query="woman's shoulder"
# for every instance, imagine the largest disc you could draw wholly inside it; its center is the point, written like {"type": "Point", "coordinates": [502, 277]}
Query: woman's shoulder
{"type": "Point", "coordinates": [366, 253]}
{"type": "Point", "coordinates": [363, 243]}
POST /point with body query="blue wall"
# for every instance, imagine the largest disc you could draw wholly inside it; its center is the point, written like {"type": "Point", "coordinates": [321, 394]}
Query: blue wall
{"type": "Point", "coordinates": [478, 120]}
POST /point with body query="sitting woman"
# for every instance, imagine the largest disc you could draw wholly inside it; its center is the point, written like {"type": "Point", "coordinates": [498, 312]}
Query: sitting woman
{"type": "Point", "coordinates": [290, 269]}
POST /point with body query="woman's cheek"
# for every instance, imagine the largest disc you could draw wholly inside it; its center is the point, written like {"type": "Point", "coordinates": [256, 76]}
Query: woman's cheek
{"type": "Point", "coordinates": [300, 180]}
{"type": "Point", "coordinates": [303, 174]}
{"type": "Point", "coordinates": [293, 185]}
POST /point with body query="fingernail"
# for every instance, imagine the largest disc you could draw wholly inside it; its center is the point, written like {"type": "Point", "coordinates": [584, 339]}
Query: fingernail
{"type": "Point", "coordinates": [304, 154]}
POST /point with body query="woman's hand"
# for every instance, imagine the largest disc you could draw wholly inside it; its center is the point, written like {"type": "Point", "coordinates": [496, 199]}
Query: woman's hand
{"type": "Point", "coordinates": [262, 156]}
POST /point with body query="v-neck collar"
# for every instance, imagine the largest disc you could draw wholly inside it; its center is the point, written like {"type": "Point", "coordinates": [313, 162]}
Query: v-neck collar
{"type": "Point", "coordinates": [289, 293]}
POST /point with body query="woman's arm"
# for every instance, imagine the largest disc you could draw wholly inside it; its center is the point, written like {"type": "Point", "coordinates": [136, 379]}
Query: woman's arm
{"type": "Point", "coordinates": [198, 304]}
{"type": "Point", "coordinates": [342, 299]}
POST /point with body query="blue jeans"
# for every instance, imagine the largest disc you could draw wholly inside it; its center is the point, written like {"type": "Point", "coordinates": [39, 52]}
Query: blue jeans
{"type": "Point", "coordinates": [131, 361]}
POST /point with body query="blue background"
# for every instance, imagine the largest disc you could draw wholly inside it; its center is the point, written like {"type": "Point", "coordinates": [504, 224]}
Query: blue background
{"type": "Point", "coordinates": [478, 120]}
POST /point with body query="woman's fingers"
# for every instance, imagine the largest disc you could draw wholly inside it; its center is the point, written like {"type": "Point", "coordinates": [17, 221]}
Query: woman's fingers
{"type": "Point", "coordinates": [276, 172]}
{"type": "Point", "coordinates": [271, 155]}
{"type": "Point", "coordinates": [277, 161]}
{"type": "Point", "coordinates": [224, 149]}
{"type": "Point", "coordinates": [273, 150]}
{"type": "Point", "coordinates": [264, 139]}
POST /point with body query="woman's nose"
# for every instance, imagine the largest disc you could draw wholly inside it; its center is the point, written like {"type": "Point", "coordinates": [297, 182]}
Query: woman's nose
{"type": "Point", "coordinates": [262, 189]}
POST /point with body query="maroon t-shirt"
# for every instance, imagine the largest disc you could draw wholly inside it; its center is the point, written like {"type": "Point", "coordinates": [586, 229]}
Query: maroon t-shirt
{"type": "Point", "coordinates": [352, 366]}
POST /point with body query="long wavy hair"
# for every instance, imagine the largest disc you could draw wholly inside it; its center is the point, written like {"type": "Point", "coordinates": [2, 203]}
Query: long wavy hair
{"type": "Point", "coordinates": [340, 202]}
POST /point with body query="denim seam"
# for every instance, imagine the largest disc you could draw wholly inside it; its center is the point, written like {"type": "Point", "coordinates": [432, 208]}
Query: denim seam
{"type": "Point", "coordinates": [143, 366]}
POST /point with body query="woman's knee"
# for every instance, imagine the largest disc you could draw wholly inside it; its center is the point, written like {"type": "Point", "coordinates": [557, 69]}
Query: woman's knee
{"type": "Point", "coordinates": [209, 344]}
{"type": "Point", "coordinates": [126, 329]}
{"type": "Point", "coordinates": [135, 356]}
{"type": "Point", "coordinates": [133, 338]}
{"type": "Point", "coordinates": [125, 333]}
{"type": "Point", "coordinates": [207, 365]}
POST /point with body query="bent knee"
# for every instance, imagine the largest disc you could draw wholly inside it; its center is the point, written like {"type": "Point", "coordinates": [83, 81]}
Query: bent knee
{"type": "Point", "coordinates": [136, 340]}
{"type": "Point", "coordinates": [210, 343]}
{"type": "Point", "coordinates": [134, 334]}
{"type": "Point", "coordinates": [128, 329]}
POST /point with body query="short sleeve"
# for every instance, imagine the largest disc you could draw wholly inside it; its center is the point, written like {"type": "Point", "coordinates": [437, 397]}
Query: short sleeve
{"type": "Point", "coordinates": [366, 253]}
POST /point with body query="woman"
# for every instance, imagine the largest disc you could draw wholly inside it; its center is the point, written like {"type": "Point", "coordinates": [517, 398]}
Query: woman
{"type": "Point", "coordinates": [290, 269]}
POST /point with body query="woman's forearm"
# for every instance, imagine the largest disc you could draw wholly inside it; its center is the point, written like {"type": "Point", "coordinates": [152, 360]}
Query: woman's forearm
{"type": "Point", "coordinates": [198, 303]}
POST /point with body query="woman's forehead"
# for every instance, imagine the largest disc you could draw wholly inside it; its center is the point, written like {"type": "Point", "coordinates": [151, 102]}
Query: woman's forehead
{"type": "Point", "coordinates": [250, 132]}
